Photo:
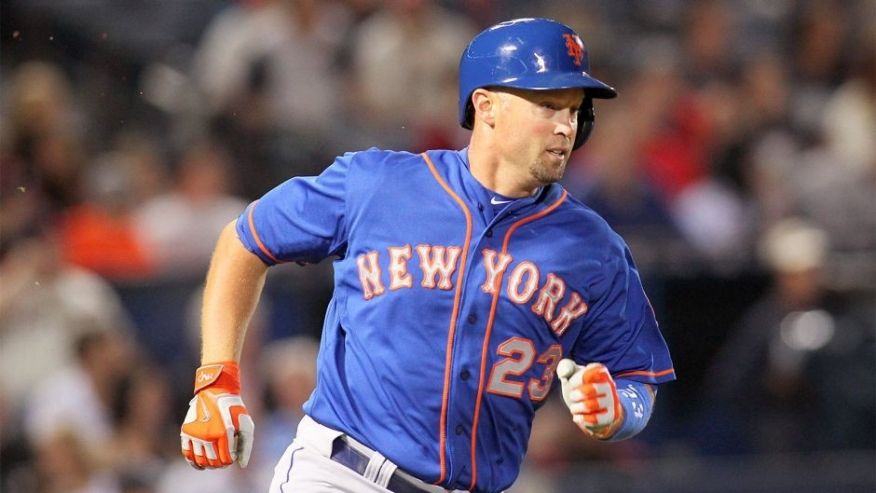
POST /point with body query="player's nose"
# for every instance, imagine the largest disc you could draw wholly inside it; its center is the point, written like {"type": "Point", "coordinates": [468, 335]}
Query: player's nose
{"type": "Point", "coordinates": [566, 123]}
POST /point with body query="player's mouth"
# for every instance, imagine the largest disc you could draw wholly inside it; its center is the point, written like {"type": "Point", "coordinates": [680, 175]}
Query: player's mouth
{"type": "Point", "coordinates": [558, 152]}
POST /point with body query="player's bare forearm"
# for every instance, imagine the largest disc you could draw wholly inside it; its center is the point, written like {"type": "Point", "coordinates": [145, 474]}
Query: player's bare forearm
{"type": "Point", "coordinates": [234, 285]}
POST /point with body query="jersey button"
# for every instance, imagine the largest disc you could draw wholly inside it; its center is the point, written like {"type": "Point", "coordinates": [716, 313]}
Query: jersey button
{"type": "Point", "coordinates": [460, 429]}
{"type": "Point", "coordinates": [489, 233]}
{"type": "Point", "coordinates": [480, 207]}
{"type": "Point", "coordinates": [464, 374]}
{"type": "Point", "coordinates": [472, 318]}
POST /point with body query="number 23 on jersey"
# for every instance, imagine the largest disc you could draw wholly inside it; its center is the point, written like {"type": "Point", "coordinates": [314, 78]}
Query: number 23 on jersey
{"type": "Point", "coordinates": [519, 354]}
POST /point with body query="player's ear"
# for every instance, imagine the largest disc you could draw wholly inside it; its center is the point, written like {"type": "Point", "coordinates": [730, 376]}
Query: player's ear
{"type": "Point", "coordinates": [484, 103]}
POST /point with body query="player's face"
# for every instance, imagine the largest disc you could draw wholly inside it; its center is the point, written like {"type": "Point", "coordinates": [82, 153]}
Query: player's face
{"type": "Point", "coordinates": [537, 130]}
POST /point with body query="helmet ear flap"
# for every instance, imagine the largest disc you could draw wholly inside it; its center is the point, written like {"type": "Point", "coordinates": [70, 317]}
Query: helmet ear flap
{"type": "Point", "coordinates": [468, 119]}
{"type": "Point", "coordinates": [586, 119]}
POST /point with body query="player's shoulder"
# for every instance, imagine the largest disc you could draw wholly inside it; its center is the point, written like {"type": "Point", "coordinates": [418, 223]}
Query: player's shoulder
{"type": "Point", "coordinates": [378, 155]}
{"type": "Point", "coordinates": [593, 228]}
{"type": "Point", "coordinates": [375, 157]}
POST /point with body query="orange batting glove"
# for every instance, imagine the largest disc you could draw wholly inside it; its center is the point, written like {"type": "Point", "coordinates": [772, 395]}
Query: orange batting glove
{"type": "Point", "coordinates": [217, 429]}
{"type": "Point", "coordinates": [591, 395]}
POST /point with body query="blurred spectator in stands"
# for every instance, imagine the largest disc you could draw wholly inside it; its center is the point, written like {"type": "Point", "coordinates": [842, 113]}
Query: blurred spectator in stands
{"type": "Point", "coordinates": [709, 30]}
{"type": "Point", "coordinates": [40, 103]}
{"type": "Point", "coordinates": [57, 163]}
{"type": "Point", "coordinates": [407, 56]}
{"type": "Point", "coordinates": [711, 211]}
{"type": "Point", "coordinates": [850, 115]}
{"type": "Point", "coordinates": [99, 234]}
{"type": "Point", "coordinates": [819, 49]}
{"type": "Point", "coordinates": [66, 465]}
{"type": "Point", "coordinates": [20, 207]}
{"type": "Point", "coordinates": [701, 157]}
{"type": "Point", "coordinates": [80, 399]}
{"type": "Point", "coordinates": [288, 372]}
{"type": "Point", "coordinates": [179, 477]}
{"type": "Point", "coordinates": [834, 183]}
{"type": "Point", "coordinates": [839, 199]}
{"type": "Point", "coordinates": [716, 221]}
{"type": "Point", "coordinates": [235, 40]}
{"type": "Point", "coordinates": [829, 176]}
{"type": "Point", "coordinates": [147, 161]}
{"type": "Point", "coordinates": [757, 378]}
{"type": "Point", "coordinates": [766, 90]}
{"type": "Point", "coordinates": [552, 450]}
{"type": "Point", "coordinates": [16, 473]}
{"type": "Point", "coordinates": [45, 305]}
{"type": "Point", "coordinates": [144, 439]}
{"type": "Point", "coordinates": [771, 159]}
{"type": "Point", "coordinates": [743, 113]}
{"type": "Point", "coordinates": [676, 129]}
{"type": "Point", "coordinates": [42, 156]}
{"type": "Point", "coordinates": [296, 40]}
{"type": "Point", "coordinates": [609, 178]}
{"type": "Point", "coordinates": [765, 394]}
{"type": "Point", "coordinates": [274, 91]}
{"type": "Point", "coordinates": [179, 227]}
{"type": "Point", "coordinates": [38, 189]}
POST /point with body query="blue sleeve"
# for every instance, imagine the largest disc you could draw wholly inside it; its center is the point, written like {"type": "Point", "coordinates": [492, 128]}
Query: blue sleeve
{"type": "Point", "coordinates": [301, 220]}
{"type": "Point", "coordinates": [638, 403]}
{"type": "Point", "coordinates": [620, 330]}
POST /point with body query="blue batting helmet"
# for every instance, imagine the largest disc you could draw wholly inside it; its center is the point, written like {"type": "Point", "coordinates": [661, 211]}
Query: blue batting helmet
{"type": "Point", "coordinates": [534, 54]}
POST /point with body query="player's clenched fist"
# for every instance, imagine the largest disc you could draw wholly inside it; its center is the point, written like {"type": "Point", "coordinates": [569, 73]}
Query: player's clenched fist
{"type": "Point", "coordinates": [591, 395]}
{"type": "Point", "coordinates": [217, 429]}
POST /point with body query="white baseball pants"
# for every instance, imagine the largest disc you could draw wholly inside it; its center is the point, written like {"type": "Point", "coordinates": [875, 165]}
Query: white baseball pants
{"type": "Point", "coordinates": [307, 467]}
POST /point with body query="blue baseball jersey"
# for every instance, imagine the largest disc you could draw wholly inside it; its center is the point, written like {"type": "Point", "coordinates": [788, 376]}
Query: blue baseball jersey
{"type": "Point", "coordinates": [449, 316]}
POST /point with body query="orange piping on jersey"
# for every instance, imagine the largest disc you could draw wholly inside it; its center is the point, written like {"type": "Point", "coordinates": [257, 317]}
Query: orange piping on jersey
{"type": "Point", "coordinates": [490, 320]}
{"type": "Point", "coordinates": [641, 373]}
{"type": "Point", "coordinates": [451, 332]}
{"type": "Point", "coordinates": [255, 234]}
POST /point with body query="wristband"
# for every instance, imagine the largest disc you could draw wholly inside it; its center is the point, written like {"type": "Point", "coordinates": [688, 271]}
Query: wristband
{"type": "Point", "coordinates": [638, 403]}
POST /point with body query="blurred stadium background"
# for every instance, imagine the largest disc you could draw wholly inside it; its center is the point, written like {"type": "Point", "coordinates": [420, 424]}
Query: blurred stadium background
{"type": "Point", "coordinates": [739, 162]}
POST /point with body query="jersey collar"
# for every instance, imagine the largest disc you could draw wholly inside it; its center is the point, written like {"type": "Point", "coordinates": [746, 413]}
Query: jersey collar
{"type": "Point", "coordinates": [483, 195]}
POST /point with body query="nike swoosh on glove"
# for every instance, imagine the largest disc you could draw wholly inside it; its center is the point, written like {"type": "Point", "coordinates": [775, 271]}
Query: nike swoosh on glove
{"type": "Point", "coordinates": [217, 429]}
{"type": "Point", "coordinates": [591, 396]}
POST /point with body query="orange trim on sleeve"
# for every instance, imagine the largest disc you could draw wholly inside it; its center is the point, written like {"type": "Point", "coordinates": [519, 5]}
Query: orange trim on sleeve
{"type": "Point", "coordinates": [642, 373]}
{"type": "Point", "coordinates": [489, 329]}
{"type": "Point", "coordinates": [255, 234]}
{"type": "Point", "coordinates": [451, 332]}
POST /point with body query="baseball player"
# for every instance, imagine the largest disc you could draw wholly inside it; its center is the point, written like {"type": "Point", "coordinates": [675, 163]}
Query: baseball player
{"type": "Point", "coordinates": [465, 281]}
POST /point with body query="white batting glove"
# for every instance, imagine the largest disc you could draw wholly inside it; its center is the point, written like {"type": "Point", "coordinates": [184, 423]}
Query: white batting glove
{"type": "Point", "coordinates": [591, 396]}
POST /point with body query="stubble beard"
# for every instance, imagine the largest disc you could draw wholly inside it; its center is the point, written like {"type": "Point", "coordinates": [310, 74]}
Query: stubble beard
{"type": "Point", "coordinates": [545, 173]}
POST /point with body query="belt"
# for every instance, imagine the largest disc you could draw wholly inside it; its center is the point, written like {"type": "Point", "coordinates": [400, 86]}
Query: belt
{"type": "Point", "coordinates": [344, 454]}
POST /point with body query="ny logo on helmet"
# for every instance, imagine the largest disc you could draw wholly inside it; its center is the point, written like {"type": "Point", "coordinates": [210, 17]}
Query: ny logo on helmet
{"type": "Point", "coordinates": [575, 48]}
